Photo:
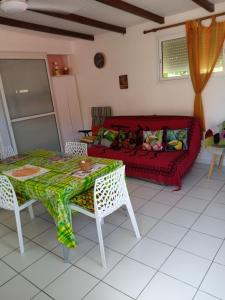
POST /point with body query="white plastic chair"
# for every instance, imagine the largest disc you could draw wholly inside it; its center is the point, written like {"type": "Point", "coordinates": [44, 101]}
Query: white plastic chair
{"type": "Point", "coordinates": [8, 200]}
{"type": "Point", "coordinates": [6, 152]}
{"type": "Point", "coordinates": [109, 194]}
{"type": "Point", "coordinates": [76, 148]}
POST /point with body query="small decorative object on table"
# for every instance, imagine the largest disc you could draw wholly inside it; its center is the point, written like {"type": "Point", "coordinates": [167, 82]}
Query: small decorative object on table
{"type": "Point", "coordinates": [86, 165]}
{"type": "Point", "coordinates": [55, 69]}
{"type": "Point", "coordinates": [66, 70]}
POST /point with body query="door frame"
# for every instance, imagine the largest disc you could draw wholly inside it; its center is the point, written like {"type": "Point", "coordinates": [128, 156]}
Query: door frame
{"type": "Point", "coordinates": [28, 56]}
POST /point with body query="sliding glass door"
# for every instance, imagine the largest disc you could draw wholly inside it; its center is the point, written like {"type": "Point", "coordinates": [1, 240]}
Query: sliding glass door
{"type": "Point", "coordinates": [28, 104]}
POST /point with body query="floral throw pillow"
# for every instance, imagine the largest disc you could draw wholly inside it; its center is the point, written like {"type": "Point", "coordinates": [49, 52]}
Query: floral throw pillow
{"type": "Point", "coordinates": [153, 140]}
{"type": "Point", "coordinates": [118, 142]}
{"type": "Point", "coordinates": [177, 139]}
{"type": "Point", "coordinates": [105, 137]}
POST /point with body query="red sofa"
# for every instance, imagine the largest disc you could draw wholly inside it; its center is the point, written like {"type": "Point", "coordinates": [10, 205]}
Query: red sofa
{"type": "Point", "coordinates": [163, 167]}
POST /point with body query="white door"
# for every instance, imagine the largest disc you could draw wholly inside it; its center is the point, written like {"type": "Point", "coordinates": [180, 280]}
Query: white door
{"type": "Point", "coordinates": [28, 104]}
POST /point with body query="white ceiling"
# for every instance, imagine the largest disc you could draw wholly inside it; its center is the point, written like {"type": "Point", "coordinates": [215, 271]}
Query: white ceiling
{"type": "Point", "coordinates": [101, 12]}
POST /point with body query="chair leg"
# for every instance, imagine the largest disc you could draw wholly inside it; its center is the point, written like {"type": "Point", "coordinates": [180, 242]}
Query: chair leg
{"type": "Point", "coordinates": [220, 164]}
{"type": "Point", "coordinates": [19, 231]}
{"type": "Point", "coordinates": [101, 244]}
{"type": "Point", "coordinates": [31, 212]}
{"type": "Point", "coordinates": [212, 164]}
{"type": "Point", "coordinates": [133, 219]}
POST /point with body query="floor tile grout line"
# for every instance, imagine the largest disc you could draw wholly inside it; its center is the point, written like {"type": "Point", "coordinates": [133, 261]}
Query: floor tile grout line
{"type": "Point", "coordinates": [126, 255]}
{"type": "Point", "coordinates": [100, 281]}
{"type": "Point", "coordinates": [123, 255]}
{"type": "Point", "coordinates": [180, 240]}
{"type": "Point", "coordinates": [148, 200]}
{"type": "Point", "coordinates": [146, 236]}
{"type": "Point", "coordinates": [213, 261]}
{"type": "Point", "coordinates": [219, 219]}
{"type": "Point", "coordinates": [161, 218]}
{"type": "Point", "coordinates": [204, 276]}
{"type": "Point", "coordinates": [124, 221]}
{"type": "Point", "coordinates": [20, 272]}
{"type": "Point", "coordinates": [43, 288]}
{"type": "Point", "coordinates": [189, 231]}
{"type": "Point", "coordinates": [11, 278]}
{"type": "Point", "coordinates": [84, 254]}
{"type": "Point", "coordinates": [206, 208]}
{"type": "Point", "coordinates": [33, 298]}
{"type": "Point", "coordinates": [207, 294]}
{"type": "Point", "coordinates": [29, 240]}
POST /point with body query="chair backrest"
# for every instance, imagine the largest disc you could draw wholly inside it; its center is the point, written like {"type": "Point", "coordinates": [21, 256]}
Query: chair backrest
{"type": "Point", "coordinates": [6, 152]}
{"type": "Point", "coordinates": [110, 192]}
{"type": "Point", "coordinates": [8, 198]}
{"type": "Point", "coordinates": [76, 148]}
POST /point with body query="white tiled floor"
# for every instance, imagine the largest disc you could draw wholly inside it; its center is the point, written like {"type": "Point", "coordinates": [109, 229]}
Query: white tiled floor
{"type": "Point", "coordinates": [181, 255]}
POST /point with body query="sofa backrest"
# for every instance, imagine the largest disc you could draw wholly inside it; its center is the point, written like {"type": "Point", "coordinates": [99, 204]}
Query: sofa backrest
{"type": "Point", "coordinates": [156, 122]}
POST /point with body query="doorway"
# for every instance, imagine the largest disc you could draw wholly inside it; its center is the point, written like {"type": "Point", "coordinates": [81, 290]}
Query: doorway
{"type": "Point", "coordinates": [28, 104]}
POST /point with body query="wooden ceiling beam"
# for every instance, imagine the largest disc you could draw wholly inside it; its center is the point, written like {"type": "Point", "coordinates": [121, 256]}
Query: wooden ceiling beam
{"type": "Point", "coordinates": [130, 8]}
{"type": "Point", "coordinates": [183, 23]}
{"type": "Point", "coordinates": [82, 20]}
{"type": "Point", "coordinates": [46, 29]}
{"type": "Point", "coordinates": [206, 4]}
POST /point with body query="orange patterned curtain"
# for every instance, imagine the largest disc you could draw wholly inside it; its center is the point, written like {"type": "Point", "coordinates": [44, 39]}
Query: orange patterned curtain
{"type": "Point", "coordinates": [204, 47]}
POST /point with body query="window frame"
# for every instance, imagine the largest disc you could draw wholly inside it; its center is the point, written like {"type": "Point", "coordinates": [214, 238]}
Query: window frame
{"type": "Point", "coordinates": [176, 36]}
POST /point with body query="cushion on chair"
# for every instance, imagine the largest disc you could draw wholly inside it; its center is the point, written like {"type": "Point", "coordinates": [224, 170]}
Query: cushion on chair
{"type": "Point", "coordinates": [85, 200]}
{"type": "Point", "coordinates": [88, 139]}
{"type": "Point", "coordinates": [21, 200]}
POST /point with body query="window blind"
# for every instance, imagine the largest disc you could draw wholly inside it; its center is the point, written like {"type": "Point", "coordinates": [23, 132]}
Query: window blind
{"type": "Point", "coordinates": [175, 58]}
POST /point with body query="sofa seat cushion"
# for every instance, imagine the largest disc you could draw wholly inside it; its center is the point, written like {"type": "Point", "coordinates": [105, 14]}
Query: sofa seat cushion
{"type": "Point", "coordinates": [161, 161]}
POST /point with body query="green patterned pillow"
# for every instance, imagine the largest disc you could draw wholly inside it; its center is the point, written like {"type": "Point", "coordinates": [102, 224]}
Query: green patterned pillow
{"type": "Point", "coordinates": [153, 140]}
{"type": "Point", "coordinates": [110, 134]}
{"type": "Point", "coordinates": [99, 136]}
{"type": "Point", "coordinates": [105, 137]}
{"type": "Point", "coordinates": [177, 139]}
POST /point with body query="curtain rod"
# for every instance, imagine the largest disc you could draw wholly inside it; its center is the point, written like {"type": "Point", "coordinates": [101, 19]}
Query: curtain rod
{"type": "Point", "coordinates": [182, 23]}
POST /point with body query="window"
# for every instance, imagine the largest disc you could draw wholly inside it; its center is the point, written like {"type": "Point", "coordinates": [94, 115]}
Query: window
{"type": "Point", "coordinates": [174, 59]}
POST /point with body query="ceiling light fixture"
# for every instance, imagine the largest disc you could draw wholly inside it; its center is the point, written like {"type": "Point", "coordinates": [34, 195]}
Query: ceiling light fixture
{"type": "Point", "coordinates": [13, 6]}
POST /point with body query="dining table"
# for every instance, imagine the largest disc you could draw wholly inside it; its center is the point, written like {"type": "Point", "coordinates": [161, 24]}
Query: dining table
{"type": "Point", "coordinates": [54, 178]}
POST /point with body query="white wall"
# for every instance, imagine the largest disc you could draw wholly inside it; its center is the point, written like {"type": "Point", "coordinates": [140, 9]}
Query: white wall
{"type": "Point", "coordinates": [137, 55]}
{"type": "Point", "coordinates": [15, 40]}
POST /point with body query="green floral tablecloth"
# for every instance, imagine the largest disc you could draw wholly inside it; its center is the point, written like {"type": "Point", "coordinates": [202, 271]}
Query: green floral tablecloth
{"type": "Point", "coordinates": [56, 187]}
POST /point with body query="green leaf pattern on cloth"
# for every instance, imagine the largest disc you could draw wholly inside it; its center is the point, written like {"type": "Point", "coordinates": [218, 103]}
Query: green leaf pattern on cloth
{"type": "Point", "coordinates": [56, 187]}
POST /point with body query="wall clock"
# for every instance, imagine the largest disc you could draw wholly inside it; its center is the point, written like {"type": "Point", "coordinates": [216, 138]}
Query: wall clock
{"type": "Point", "coordinates": [99, 60]}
